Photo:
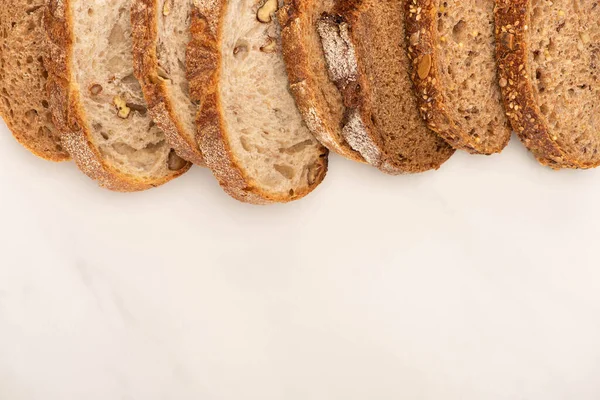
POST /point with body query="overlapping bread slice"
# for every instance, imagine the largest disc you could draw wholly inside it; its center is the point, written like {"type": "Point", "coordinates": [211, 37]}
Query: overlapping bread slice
{"type": "Point", "coordinates": [250, 131]}
{"type": "Point", "coordinates": [365, 48]}
{"type": "Point", "coordinates": [96, 100]}
{"type": "Point", "coordinates": [160, 38]}
{"type": "Point", "coordinates": [452, 45]}
{"type": "Point", "coordinates": [317, 97]}
{"type": "Point", "coordinates": [549, 64]}
{"type": "Point", "coordinates": [24, 103]}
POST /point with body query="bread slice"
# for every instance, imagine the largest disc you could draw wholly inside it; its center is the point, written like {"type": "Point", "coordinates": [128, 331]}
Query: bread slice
{"type": "Point", "coordinates": [250, 131]}
{"type": "Point", "coordinates": [97, 101]}
{"type": "Point", "coordinates": [160, 37]}
{"type": "Point", "coordinates": [549, 65]}
{"type": "Point", "coordinates": [23, 101]}
{"type": "Point", "coordinates": [365, 49]}
{"type": "Point", "coordinates": [317, 97]}
{"type": "Point", "coordinates": [452, 45]}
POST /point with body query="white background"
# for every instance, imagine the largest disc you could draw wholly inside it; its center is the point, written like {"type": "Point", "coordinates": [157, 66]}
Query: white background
{"type": "Point", "coordinates": [479, 281]}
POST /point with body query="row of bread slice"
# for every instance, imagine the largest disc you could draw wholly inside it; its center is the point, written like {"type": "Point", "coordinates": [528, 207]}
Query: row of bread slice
{"type": "Point", "coordinates": [476, 70]}
{"type": "Point", "coordinates": [396, 84]}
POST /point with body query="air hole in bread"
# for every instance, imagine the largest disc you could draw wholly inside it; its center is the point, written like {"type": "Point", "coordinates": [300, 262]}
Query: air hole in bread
{"type": "Point", "coordinates": [240, 50]}
{"type": "Point", "coordinates": [117, 35]}
{"type": "Point", "coordinates": [142, 110]}
{"type": "Point", "coordinates": [285, 170]}
{"type": "Point", "coordinates": [297, 148]}
{"type": "Point", "coordinates": [30, 116]}
{"type": "Point", "coordinates": [245, 144]}
{"type": "Point", "coordinates": [174, 162]}
{"type": "Point", "coordinates": [459, 30]}
{"type": "Point", "coordinates": [535, 15]}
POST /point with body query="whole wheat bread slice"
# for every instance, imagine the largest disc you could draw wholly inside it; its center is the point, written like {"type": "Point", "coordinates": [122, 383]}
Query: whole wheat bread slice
{"type": "Point", "coordinates": [250, 131]}
{"type": "Point", "coordinates": [317, 97]}
{"type": "Point", "coordinates": [96, 100]}
{"type": "Point", "coordinates": [366, 53]}
{"type": "Point", "coordinates": [549, 64]}
{"type": "Point", "coordinates": [24, 104]}
{"type": "Point", "coordinates": [160, 37]}
{"type": "Point", "coordinates": [452, 45]}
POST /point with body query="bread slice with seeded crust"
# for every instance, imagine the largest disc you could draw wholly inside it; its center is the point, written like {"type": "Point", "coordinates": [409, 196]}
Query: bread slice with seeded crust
{"type": "Point", "coordinates": [317, 97]}
{"type": "Point", "coordinates": [23, 100]}
{"type": "Point", "coordinates": [549, 66]}
{"type": "Point", "coordinates": [452, 44]}
{"type": "Point", "coordinates": [96, 100]}
{"type": "Point", "coordinates": [160, 37]}
{"type": "Point", "coordinates": [365, 48]}
{"type": "Point", "coordinates": [250, 131]}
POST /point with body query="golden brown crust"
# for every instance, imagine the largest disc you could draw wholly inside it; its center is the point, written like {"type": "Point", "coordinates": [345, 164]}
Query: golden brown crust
{"type": "Point", "coordinates": [144, 14]}
{"type": "Point", "coordinates": [512, 22]}
{"type": "Point", "coordinates": [421, 21]}
{"type": "Point", "coordinates": [203, 64]}
{"type": "Point", "coordinates": [69, 115]}
{"type": "Point", "coordinates": [23, 102]}
{"type": "Point", "coordinates": [296, 22]}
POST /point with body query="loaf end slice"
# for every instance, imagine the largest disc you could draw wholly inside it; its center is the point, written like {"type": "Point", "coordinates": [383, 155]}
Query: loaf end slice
{"type": "Point", "coordinates": [549, 67]}
{"type": "Point", "coordinates": [249, 129]}
{"type": "Point", "coordinates": [24, 104]}
{"type": "Point", "coordinates": [160, 37]}
{"type": "Point", "coordinates": [365, 48]}
{"type": "Point", "coordinates": [452, 48]}
{"type": "Point", "coordinates": [96, 100]}
{"type": "Point", "coordinates": [317, 97]}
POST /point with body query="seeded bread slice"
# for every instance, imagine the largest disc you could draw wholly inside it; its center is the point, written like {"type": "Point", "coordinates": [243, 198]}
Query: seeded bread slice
{"type": "Point", "coordinates": [451, 43]}
{"type": "Point", "coordinates": [160, 37]}
{"type": "Point", "coordinates": [97, 101]}
{"type": "Point", "coordinates": [366, 53]}
{"type": "Point", "coordinates": [250, 131]}
{"type": "Point", "coordinates": [23, 100]}
{"type": "Point", "coordinates": [317, 97]}
{"type": "Point", "coordinates": [549, 65]}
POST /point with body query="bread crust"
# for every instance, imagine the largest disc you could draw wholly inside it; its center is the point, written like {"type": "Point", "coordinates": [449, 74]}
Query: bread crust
{"type": "Point", "coordinates": [144, 17]}
{"type": "Point", "coordinates": [295, 20]}
{"type": "Point", "coordinates": [203, 64]}
{"type": "Point", "coordinates": [421, 21]}
{"type": "Point", "coordinates": [37, 135]}
{"type": "Point", "coordinates": [69, 115]}
{"type": "Point", "coordinates": [359, 128]}
{"type": "Point", "coordinates": [512, 21]}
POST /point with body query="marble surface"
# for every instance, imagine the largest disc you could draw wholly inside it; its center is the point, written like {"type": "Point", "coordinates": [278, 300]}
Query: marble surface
{"type": "Point", "coordinates": [479, 281]}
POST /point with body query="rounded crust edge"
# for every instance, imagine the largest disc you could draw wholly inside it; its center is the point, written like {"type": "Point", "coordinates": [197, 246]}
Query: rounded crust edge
{"type": "Point", "coordinates": [68, 114]}
{"type": "Point", "coordinates": [523, 112]}
{"type": "Point", "coordinates": [144, 14]}
{"type": "Point", "coordinates": [203, 61]}
{"type": "Point", "coordinates": [35, 149]}
{"type": "Point", "coordinates": [420, 20]}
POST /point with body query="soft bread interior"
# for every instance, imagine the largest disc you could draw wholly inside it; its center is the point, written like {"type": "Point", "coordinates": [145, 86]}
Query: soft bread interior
{"type": "Point", "coordinates": [110, 95]}
{"type": "Point", "coordinates": [174, 20]}
{"type": "Point", "coordinates": [467, 70]}
{"type": "Point", "coordinates": [263, 127]}
{"type": "Point", "coordinates": [564, 65]}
